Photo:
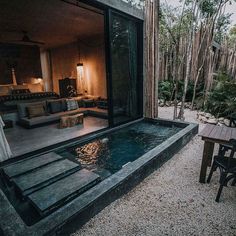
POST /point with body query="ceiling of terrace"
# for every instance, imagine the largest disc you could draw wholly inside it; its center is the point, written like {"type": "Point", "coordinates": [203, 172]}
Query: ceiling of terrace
{"type": "Point", "coordinates": [54, 22]}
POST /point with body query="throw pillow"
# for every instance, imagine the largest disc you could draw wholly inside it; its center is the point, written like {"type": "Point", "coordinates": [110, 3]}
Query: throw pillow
{"type": "Point", "coordinates": [89, 103]}
{"type": "Point", "coordinates": [72, 104]}
{"type": "Point", "coordinates": [63, 105]}
{"type": "Point", "coordinates": [22, 108]}
{"type": "Point", "coordinates": [36, 111]}
{"type": "Point", "coordinates": [55, 106]}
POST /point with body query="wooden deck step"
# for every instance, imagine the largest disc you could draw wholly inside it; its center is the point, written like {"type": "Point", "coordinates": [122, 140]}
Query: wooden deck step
{"type": "Point", "coordinates": [60, 192]}
{"type": "Point", "coordinates": [44, 176]}
{"type": "Point", "coordinates": [31, 164]}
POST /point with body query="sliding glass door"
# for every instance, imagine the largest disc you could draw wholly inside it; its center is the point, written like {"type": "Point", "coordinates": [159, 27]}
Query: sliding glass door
{"type": "Point", "coordinates": [125, 77]}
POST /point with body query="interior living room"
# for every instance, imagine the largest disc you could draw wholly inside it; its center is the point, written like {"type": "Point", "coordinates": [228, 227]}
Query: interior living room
{"type": "Point", "coordinates": [53, 84]}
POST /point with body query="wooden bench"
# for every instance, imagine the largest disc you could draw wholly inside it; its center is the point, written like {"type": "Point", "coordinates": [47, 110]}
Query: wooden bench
{"type": "Point", "coordinates": [70, 121]}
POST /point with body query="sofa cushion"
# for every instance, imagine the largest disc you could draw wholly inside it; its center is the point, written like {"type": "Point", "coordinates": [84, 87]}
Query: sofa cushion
{"type": "Point", "coordinates": [54, 106]}
{"type": "Point", "coordinates": [71, 104]}
{"type": "Point", "coordinates": [21, 107]}
{"type": "Point", "coordinates": [5, 90]}
{"type": "Point", "coordinates": [80, 101]}
{"type": "Point", "coordinates": [89, 103]}
{"type": "Point", "coordinates": [20, 91]}
{"type": "Point", "coordinates": [63, 105]}
{"type": "Point", "coordinates": [25, 121]}
{"type": "Point", "coordinates": [35, 110]}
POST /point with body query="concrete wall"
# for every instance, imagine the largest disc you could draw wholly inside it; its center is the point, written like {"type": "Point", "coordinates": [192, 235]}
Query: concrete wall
{"type": "Point", "coordinates": [95, 67]}
{"type": "Point", "coordinates": [25, 59]}
{"type": "Point", "coordinates": [124, 7]}
{"type": "Point", "coordinates": [92, 54]}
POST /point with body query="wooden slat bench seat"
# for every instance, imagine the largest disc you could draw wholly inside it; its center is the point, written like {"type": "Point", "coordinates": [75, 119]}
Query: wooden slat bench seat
{"type": "Point", "coordinates": [60, 192]}
{"type": "Point", "coordinates": [44, 176]}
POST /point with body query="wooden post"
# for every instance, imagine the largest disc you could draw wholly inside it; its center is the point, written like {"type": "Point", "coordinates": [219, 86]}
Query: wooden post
{"type": "Point", "coordinates": [151, 51]}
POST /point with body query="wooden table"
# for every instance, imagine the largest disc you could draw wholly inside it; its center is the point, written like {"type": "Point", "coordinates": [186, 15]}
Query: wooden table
{"type": "Point", "coordinates": [71, 120]}
{"type": "Point", "coordinates": [212, 134]}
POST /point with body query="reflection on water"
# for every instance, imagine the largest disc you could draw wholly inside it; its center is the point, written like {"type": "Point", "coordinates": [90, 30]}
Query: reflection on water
{"type": "Point", "coordinates": [90, 153]}
{"type": "Point", "coordinates": [114, 150]}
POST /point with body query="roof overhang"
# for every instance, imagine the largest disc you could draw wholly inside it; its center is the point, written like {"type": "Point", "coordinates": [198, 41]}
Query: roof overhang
{"type": "Point", "coordinates": [123, 7]}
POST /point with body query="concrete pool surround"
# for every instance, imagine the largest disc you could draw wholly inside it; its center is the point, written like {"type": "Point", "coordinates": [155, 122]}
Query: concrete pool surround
{"type": "Point", "coordinates": [78, 211]}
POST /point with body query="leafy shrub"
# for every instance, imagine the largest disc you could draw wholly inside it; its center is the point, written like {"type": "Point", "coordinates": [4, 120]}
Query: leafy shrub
{"type": "Point", "coordinates": [222, 99]}
{"type": "Point", "coordinates": [165, 90]}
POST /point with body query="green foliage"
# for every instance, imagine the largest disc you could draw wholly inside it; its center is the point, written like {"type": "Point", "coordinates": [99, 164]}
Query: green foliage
{"type": "Point", "coordinates": [175, 26]}
{"type": "Point", "coordinates": [222, 99]}
{"type": "Point", "coordinates": [209, 7]}
{"type": "Point", "coordinates": [222, 77]}
{"type": "Point", "coordinates": [189, 93]}
{"type": "Point", "coordinates": [232, 36]}
{"type": "Point", "coordinates": [222, 27]}
{"type": "Point", "coordinates": [190, 88]}
{"type": "Point", "coordinates": [165, 90]}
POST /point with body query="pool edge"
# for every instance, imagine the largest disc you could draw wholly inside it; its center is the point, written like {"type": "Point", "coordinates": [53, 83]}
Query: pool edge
{"type": "Point", "coordinates": [73, 215]}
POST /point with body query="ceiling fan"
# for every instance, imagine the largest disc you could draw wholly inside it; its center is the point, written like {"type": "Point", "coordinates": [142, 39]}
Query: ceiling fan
{"type": "Point", "coordinates": [26, 40]}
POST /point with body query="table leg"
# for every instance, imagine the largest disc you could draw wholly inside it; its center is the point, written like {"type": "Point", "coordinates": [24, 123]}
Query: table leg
{"type": "Point", "coordinates": [206, 160]}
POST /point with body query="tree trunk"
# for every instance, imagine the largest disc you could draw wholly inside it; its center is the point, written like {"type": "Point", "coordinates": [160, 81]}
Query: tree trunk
{"type": "Point", "coordinates": [189, 58]}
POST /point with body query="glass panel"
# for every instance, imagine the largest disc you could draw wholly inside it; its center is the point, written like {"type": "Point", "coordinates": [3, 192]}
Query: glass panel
{"type": "Point", "coordinates": [125, 80]}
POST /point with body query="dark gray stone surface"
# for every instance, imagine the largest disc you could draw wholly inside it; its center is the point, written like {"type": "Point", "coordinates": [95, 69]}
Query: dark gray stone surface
{"type": "Point", "coordinates": [30, 164]}
{"type": "Point", "coordinates": [57, 193]}
{"type": "Point", "coordinates": [44, 176]}
{"type": "Point", "coordinates": [24, 141]}
{"type": "Point", "coordinates": [74, 214]}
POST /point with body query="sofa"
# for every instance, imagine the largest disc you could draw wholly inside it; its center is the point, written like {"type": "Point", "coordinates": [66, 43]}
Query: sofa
{"type": "Point", "coordinates": [44, 112]}
{"type": "Point", "coordinates": [11, 95]}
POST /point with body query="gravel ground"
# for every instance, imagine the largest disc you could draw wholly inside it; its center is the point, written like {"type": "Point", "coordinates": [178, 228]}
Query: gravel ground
{"type": "Point", "coordinates": [170, 201]}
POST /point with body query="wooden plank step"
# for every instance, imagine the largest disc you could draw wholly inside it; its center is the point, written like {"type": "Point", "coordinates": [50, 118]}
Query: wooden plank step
{"type": "Point", "coordinates": [31, 164]}
{"type": "Point", "coordinates": [60, 192]}
{"type": "Point", "coordinates": [44, 176]}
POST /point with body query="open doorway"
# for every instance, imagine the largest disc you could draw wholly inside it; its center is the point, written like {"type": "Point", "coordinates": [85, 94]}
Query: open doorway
{"type": "Point", "coordinates": [53, 65]}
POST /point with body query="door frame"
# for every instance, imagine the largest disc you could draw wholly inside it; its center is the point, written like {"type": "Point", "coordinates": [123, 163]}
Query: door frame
{"type": "Point", "coordinates": [108, 26]}
{"type": "Point", "coordinates": [108, 11]}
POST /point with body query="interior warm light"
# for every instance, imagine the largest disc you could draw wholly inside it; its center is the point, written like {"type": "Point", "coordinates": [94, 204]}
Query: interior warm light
{"type": "Point", "coordinates": [13, 76]}
{"type": "Point", "coordinates": [80, 68]}
{"type": "Point", "coordinates": [80, 72]}
{"type": "Point", "coordinates": [37, 80]}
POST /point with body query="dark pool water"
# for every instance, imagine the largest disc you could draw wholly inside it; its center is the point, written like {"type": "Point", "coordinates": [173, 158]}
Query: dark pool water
{"type": "Point", "coordinates": [104, 156]}
{"type": "Point", "coordinates": [110, 153]}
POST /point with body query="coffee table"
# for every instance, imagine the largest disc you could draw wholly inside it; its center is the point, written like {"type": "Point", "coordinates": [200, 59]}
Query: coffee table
{"type": "Point", "coordinates": [71, 120]}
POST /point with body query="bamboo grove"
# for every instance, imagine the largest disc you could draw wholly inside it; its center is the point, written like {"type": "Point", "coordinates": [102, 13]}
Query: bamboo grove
{"type": "Point", "coordinates": [195, 48]}
{"type": "Point", "coordinates": [197, 55]}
